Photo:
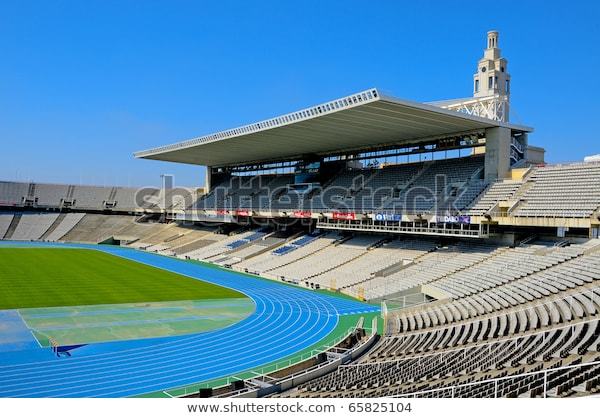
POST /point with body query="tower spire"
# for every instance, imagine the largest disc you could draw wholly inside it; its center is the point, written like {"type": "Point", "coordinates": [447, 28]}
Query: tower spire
{"type": "Point", "coordinates": [492, 37]}
{"type": "Point", "coordinates": [492, 76]}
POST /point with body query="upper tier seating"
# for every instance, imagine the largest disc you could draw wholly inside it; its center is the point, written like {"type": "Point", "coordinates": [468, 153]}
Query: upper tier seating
{"type": "Point", "coordinates": [433, 184]}
{"type": "Point", "coordinates": [232, 193]}
{"type": "Point", "coordinates": [274, 186]}
{"type": "Point", "coordinates": [124, 198]}
{"type": "Point", "coordinates": [74, 196]}
{"type": "Point", "coordinates": [441, 186]}
{"type": "Point", "coordinates": [562, 191]}
{"type": "Point", "coordinates": [416, 187]}
{"type": "Point", "coordinates": [382, 185]}
{"type": "Point", "coordinates": [449, 186]}
{"type": "Point", "coordinates": [339, 190]}
{"type": "Point", "coordinates": [90, 196]}
{"type": "Point", "coordinates": [50, 194]}
{"type": "Point", "coordinates": [12, 193]}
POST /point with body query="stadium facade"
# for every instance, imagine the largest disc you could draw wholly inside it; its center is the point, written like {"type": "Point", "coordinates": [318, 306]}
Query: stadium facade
{"type": "Point", "coordinates": [325, 163]}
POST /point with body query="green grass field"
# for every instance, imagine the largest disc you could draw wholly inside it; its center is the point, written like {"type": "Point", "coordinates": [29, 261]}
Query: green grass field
{"type": "Point", "coordinates": [47, 277]}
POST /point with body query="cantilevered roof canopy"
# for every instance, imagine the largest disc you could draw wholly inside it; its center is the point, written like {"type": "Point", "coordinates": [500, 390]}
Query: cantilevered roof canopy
{"type": "Point", "coordinates": [358, 122]}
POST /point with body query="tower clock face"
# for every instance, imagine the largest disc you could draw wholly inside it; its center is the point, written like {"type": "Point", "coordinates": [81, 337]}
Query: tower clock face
{"type": "Point", "coordinates": [483, 69]}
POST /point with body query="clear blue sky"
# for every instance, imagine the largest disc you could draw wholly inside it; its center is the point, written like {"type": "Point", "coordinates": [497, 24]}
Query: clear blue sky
{"type": "Point", "coordinates": [83, 84]}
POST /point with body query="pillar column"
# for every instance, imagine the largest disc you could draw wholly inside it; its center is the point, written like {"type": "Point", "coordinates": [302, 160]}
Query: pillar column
{"type": "Point", "coordinates": [207, 179]}
{"type": "Point", "coordinates": [497, 153]}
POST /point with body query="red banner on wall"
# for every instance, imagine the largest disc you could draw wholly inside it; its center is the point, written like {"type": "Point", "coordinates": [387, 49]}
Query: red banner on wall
{"type": "Point", "coordinates": [347, 216]}
{"type": "Point", "coordinates": [302, 214]}
{"type": "Point", "coordinates": [242, 212]}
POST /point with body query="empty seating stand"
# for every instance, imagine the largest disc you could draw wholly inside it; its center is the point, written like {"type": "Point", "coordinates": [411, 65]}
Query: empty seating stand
{"type": "Point", "coordinates": [494, 193]}
{"type": "Point", "coordinates": [267, 263]}
{"type": "Point", "coordinates": [5, 221]}
{"type": "Point", "coordinates": [54, 196]}
{"type": "Point", "coordinates": [400, 185]}
{"type": "Point", "coordinates": [67, 223]}
{"type": "Point", "coordinates": [308, 269]}
{"type": "Point", "coordinates": [32, 226]}
{"type": "Point", "coordinates": [523, 328]}
{"type": "Point", "coordinates": [562, 191]}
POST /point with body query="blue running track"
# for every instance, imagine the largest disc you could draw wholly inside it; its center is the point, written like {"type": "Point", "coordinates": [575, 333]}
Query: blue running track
{"type": "Point", "coordinates": [286, 320]}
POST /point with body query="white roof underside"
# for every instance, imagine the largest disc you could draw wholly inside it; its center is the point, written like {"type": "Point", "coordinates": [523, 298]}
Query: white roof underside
{"type": "Point", "coordinates": [358, 122]}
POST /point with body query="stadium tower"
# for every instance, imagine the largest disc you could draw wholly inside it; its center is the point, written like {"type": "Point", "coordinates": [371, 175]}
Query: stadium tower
{"type": "Point", "coordinates": [492, 76]}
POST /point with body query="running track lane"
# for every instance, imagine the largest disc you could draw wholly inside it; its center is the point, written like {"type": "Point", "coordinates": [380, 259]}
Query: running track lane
{"type": "Point", "coordinates": [286, 320]}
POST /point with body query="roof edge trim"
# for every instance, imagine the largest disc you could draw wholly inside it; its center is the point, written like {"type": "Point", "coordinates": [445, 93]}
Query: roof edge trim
{"type": "Point", "coordinates": [347, 102]}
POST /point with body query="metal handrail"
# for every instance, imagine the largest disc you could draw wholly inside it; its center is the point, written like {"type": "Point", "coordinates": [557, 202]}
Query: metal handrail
{"type": "Point", "coordinates": [499, 379]}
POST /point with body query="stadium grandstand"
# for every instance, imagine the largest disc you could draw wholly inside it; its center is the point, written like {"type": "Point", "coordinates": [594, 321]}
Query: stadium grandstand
{"type": "Point", "coordinates": [482, 261]}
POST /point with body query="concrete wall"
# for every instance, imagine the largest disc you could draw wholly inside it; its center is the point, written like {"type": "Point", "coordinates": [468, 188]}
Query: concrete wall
{"type": "Point", "coordinates": [535, 155]}
{"type": "Point", "coordinates": [497, 153]}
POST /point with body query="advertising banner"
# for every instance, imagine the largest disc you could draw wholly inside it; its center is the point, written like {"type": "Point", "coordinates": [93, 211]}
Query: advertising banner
{"type": "Point", "coordinates": [460, 219]}
{"type": "Point", "coordinates": [301, 214]}
{"type": "Point", "coordinates": [346, 216]}
{"type": "Point", "coordinates": [394, 217]}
